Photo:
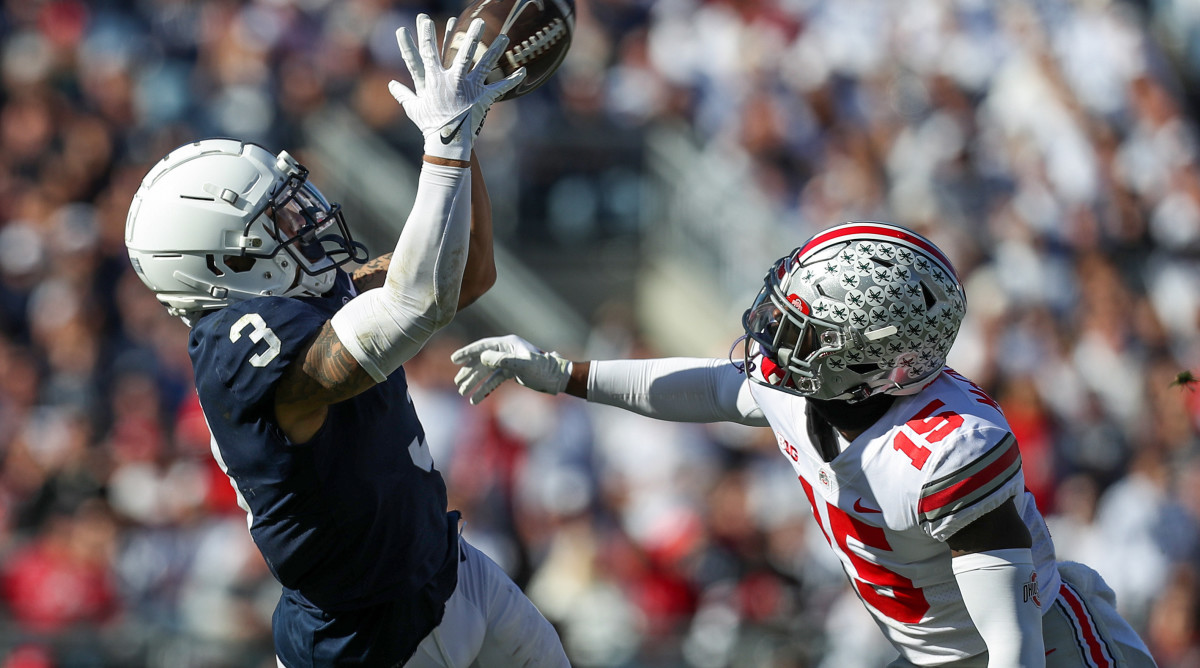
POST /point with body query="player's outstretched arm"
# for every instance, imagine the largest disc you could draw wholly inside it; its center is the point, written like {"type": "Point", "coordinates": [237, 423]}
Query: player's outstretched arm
{"type": "Point", "coordinates": [480, 273]}
{"type": "Point", "coordinates": [380, 329]}
{"type": "Point", "coordinates": [372, 274]}
{"type": "Point", "coordinates": [676, 389]}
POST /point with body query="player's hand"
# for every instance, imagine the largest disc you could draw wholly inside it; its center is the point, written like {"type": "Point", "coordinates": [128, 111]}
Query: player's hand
{"type": "Point", "coordinates": [489, 362]}
{"type": "Point", "coordinates": [448, 103]}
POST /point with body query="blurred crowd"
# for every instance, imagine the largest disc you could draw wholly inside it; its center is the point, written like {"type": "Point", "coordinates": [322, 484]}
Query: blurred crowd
{"type": "Point", "coordinates": [1049, 145]}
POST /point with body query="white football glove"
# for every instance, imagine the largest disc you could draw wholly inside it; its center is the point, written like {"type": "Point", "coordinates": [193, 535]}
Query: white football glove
{"type": "Point", "coordinates": [448, 104]}
{"type": "Point", "coordinates": [489, 362]}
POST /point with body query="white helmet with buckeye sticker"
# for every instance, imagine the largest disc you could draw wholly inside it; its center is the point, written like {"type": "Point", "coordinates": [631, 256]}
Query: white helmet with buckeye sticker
{"type": "Point", "coordinates": [860, 309]}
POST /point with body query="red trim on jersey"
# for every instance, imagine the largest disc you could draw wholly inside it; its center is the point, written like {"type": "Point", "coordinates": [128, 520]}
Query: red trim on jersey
{"type": "Point", "coordinates": [812, 501]}
{"type": "Point", "coordinates": [881, 230]}
{"type": "Point", "coordinates": [771, 371]}
{"type": "Point", "coordinates": [1093, 645]}
{"type": "Point", "coordinates": [965, 487]}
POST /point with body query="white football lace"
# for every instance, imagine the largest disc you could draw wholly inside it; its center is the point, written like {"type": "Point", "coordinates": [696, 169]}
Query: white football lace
{"type": "Point", "coordinates": [540, 41]}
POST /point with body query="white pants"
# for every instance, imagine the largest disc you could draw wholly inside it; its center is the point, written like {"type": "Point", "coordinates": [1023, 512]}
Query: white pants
{"type": "Point", "coordinates": [489, 623]}
{"type": "Point", "coordinates": [1082, 629]}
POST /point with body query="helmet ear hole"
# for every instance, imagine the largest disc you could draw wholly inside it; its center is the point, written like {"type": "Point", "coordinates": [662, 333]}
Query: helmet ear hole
{"type": "Point", "coordinates": [930, 300]}
{"type": "Point", "coordinates": [238, 263]}
{"type": "Point", "coordinates": [211, 263]}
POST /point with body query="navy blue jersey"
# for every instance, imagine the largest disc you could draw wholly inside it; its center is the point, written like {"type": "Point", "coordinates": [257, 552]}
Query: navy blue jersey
{"type": "Point", "coordinates": [353, 521]}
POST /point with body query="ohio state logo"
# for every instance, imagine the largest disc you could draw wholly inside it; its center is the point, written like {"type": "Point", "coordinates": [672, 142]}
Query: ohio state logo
{"type": "Point", "coordinates": [1030, 591]}
{"type": "Point", "coordinates": [799, 303]}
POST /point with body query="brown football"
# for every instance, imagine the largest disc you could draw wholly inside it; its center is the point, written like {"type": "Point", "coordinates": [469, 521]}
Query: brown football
{"type": "Point", "coordinates": [539, 35]}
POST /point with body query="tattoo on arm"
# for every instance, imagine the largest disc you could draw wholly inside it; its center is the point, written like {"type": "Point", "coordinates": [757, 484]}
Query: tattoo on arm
{"type": "Point", "coordinates": [372, 274]}
{"type": "Point", "coordinates": [327, 374]}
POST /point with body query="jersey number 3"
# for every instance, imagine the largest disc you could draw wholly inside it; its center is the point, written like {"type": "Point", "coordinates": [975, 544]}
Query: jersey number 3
{"type": "Point", "coordinates": [260, 332]}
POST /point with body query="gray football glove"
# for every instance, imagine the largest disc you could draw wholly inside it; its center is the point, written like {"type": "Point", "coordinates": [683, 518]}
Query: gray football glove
{"type": "Point", "coordinates": [489, 362]}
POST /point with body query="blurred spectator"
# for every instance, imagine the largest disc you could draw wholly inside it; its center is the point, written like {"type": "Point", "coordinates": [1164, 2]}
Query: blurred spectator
{"type": "Point", "coordinates": [62, 580]}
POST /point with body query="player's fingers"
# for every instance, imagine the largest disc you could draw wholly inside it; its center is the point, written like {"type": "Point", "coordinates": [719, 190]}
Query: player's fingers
{"type": "Point", "coordinates": [472, 350]}
{"type": "Point", "coordinates": [492, 56]}
{"type": "Point", "coordinates": [427, 39]}
{"type": "Point", "coordinates": [520, 367]}
{"type": "Point", "coordinates": [497, 359]}
{"type": "Point", "coordinates": [466, 53]}
{"type": "Point", "coordinates": [408, 51]}
{"type": "Point", "coordinates": [488, 386]}
{"type": "Point", "coordinates": [451, 24]}
{"type": "Point", "coordinates": [401, 92]}
{"type": "Point", "coordinates": [506, 84]}
{"type": "Point", "coordinates": [469, 376]}
{"type": "Point", "coordinates": [466, 378]}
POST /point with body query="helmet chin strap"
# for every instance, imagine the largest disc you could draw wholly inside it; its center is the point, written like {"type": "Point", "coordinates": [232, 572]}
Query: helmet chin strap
{"type": "Point", "coordinates": [856, 395]}
{"type": "Point", "coordinates": [205, 287]}
{"type": "Point", "coordinates": [744, 365]}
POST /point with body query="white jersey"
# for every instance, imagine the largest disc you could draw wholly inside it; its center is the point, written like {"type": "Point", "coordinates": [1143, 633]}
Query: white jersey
{"type": "Point", "coordinates": [935, 462]}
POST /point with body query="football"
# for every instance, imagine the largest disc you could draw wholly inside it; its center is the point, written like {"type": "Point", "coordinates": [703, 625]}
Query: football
{"type": "Point", "coordinates": [539, 35]}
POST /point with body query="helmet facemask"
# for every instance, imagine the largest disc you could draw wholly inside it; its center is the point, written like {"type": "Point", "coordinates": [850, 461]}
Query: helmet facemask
{"type": "Point", "coordinates": [787, 343]}
{"type": "Point", "coordinates": [298, 217]}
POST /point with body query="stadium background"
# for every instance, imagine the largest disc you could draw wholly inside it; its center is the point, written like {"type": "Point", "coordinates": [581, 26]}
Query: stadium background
{"type": "Point", "coordinates": [1049, 146]}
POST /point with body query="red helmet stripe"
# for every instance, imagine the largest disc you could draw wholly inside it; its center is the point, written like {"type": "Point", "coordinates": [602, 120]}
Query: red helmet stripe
{"type": "Point", "coordinates": [880, 230]}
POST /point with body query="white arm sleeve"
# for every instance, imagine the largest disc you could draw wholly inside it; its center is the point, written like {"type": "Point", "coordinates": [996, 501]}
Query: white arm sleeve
{"type": "Point", "coordinates": [384, 327]}
{"type": "Point", "coordinates": [678, 389]}
{"type": "Point", "coordinates": [1000, 591]}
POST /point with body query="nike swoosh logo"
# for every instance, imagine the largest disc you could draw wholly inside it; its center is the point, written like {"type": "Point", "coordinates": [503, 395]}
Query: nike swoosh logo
{"type": "Point", "coordinates": [859, 507]}
{"type": "Point", "coordinates": [448, 133]}
{"type": "Point", "coordinates": [1051, 651]}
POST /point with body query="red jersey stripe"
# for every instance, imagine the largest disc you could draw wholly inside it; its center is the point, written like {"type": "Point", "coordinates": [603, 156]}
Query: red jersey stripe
{"type": "Point", "coordinates": [812, 501]}
{"type": "Point", "coordinates": [963, 488]}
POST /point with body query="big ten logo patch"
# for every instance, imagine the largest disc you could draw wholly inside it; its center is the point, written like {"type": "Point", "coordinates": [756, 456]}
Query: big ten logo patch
{"type": "Point", "coordinates": [788, 449]}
